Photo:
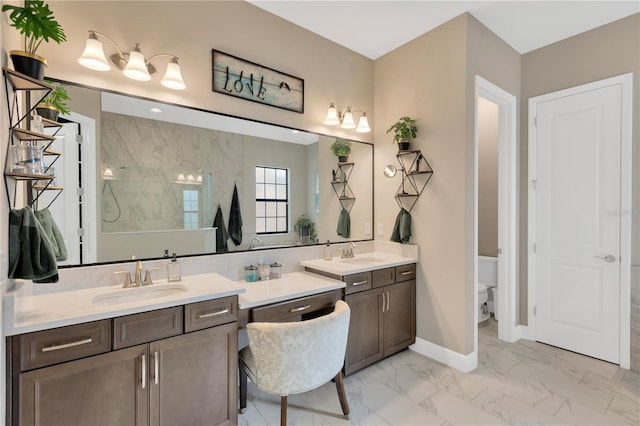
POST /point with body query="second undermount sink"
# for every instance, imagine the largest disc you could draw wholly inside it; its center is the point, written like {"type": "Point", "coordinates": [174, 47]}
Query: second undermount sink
{"type": "Point", "coordinates": [127, 295]}
{"type": "Point", "coordinates": [361, 260]}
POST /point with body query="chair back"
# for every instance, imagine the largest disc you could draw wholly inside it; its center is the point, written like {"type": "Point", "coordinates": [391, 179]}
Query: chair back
{"type": "Point", "coordinates": [294, 357]}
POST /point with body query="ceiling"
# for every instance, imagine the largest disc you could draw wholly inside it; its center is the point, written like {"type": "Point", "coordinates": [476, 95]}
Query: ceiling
{"type": "Point", "coordinates": [373, 28]}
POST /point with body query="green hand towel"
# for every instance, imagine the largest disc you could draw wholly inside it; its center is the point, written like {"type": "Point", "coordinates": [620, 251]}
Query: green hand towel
{"type": "Point", "coordinates": [53, 232]}
{"type": "Point", "coordinates": [402, 228]}
{"type": "Point", "coordinates": [344, 224]}
{"type": "Point", "coordinates": [221, 234]}
{"type": "Point", "coordinates": [235, 218]}
{"type": "Point", "coordinates": [30, 254]}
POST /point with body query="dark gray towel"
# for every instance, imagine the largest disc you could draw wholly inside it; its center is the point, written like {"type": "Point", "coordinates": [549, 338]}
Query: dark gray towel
{"type": "Point", "coordinates": [30, 254]}
{"type": "Point", "coordinates": [221, 235]}
{"type": "Point", "coordinates": [235, 219]}
{"type": "Point", "coordinates": [344, 224]}
{"type": "Point", "coordinates": [53, 232]}
{"type": "Point", "coordinates": [402, 228]}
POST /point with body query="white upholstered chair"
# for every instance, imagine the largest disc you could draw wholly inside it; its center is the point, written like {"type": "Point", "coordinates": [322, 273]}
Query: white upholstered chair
{"type": "Point", "coordinates": [296, 357]}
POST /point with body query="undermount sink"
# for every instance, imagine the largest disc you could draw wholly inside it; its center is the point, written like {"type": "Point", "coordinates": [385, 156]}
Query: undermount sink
{"type": "Point", "coordinates": [137, 294]}
{"type": "Point", "coordinates": [361, 260]}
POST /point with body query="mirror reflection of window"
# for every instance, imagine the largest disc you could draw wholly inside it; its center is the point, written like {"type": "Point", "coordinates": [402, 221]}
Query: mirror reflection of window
{"type": "Point", "coordinates": [272, 200]}
{"type": "Point", "coordinates": [190, 203]}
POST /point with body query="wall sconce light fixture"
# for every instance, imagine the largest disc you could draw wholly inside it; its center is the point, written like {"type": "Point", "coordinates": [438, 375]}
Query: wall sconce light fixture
{"type": "Point", "coordinates": [345, 119]}
{"type": "Point", "coordinates": [132, 64]}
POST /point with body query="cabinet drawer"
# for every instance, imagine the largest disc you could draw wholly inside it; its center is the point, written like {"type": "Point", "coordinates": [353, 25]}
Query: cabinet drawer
{"type": "Point", "coordinates": [382, 277]}
{"type": "Point", "coordinates": [405, 272]}
{"type": "Point", "coordinates": [210, 313]}
{"type": "Point", "coordinates": [357, 282]}
{"type": "Point", "coordinates": [146, 327]}
{"type": "Point", "coordinates": [295, 310]}
{"type": "Point", "coordinates": [49, 347]}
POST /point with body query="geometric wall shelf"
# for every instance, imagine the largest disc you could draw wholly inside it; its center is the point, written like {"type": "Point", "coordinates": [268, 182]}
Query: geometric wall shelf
{"type": "Point", "coordinates": [416, 173]}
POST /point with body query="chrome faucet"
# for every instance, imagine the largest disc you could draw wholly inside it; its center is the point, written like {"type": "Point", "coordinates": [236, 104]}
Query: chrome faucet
{"type": "Point", "coordinates": [255, 239]}
{"type": "Point", "coordinates": [347, 253]}
{"type": "Point", "coordinates": [137, 281]}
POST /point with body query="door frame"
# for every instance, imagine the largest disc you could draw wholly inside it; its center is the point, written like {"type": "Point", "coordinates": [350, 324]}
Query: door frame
{"type": "Point", "coordinates": [507, 196]}
{"type": "Point", "coordinates": [626, 136]}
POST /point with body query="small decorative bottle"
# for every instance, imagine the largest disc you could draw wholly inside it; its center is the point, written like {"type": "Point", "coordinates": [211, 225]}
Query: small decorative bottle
{"type": "Point", "coordinates": [174, 272]}
{"type": "Point", "coordinates": [327, 254]}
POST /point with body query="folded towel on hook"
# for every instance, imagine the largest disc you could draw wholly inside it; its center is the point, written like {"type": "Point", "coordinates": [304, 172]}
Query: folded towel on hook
{"type": "Point", "coordinates": [53, 232]}
{"type": "Point", "coordinates": [344, 224]}
{"type": "Point", "coordinates": [31, 255]}
{"type": "Point", "coordinates": [235, 218]}
{"type": "Point", "coordinates": [402, 228]}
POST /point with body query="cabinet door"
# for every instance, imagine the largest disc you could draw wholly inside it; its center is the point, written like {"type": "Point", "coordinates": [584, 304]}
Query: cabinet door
{"type": "Point", "coordinates": [107, 389]}
{"type": "Point", "coordinates": [194, 378]}
{"type": "Point", "coordinates": [364, 346]}
{"type": "Point", "coordinates": [399, 317]}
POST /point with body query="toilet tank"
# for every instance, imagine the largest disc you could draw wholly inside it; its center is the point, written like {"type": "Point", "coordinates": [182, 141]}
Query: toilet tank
{"type": "Point", "coordinates": [488, 270]}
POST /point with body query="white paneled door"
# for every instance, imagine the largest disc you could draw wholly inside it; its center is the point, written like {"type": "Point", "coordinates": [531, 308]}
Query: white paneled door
{"type": "Point", "coordinates": [577, 224]}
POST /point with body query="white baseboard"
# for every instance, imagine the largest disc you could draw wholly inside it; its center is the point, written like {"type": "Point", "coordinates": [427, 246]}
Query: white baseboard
{"type": "Point", "coordinates": [464, 363]}
{"type": "Point", "coordinates": [524, 332]}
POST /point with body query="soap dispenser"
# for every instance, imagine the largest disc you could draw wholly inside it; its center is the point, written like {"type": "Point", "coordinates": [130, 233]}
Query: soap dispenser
{"type": "Point", "coordinates": [173, 270]}
{"type": "Point", "coordinates": [327, 251]}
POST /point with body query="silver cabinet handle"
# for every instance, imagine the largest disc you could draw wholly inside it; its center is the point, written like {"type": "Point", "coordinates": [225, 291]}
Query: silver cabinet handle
{"type": "Point", "coordinates": [360, 283]}
{"type": "Point", "coordinates": [156, 355]}
{"type": "Point", "coordinates": [67, 345]}
{"type": "Point", "coordinates": [383, 301]}
{"type": "Point", "coordinates": [407, 273]}
{"type": "Point", "coordinates": [608, 258]}
{"type": "Point", "coordinates": [213, 314]}
{"type": "Point", "coordinates": [144, 371]}
{"type": "Point", "coordinates": [301, 308]}
{"type": "Point", "coordinates": [388, 300]}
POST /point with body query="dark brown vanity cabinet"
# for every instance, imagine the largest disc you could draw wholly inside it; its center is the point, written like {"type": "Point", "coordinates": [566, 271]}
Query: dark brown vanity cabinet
{"type": "Point", "coordinates": [152, 368]}
{"type": "Point", "coordinates": [383, 314]}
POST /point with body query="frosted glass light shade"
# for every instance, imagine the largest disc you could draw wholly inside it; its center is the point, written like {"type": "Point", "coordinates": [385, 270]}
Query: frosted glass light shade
{"type": "Point", "coordinates": [93, 56]}
{"type": "Point", "coordinates": [347, 121]}
{"type": "Point", "coordinates": [332, 116]}
{"type": "Point", "coordinates": [136, 68]}
{"type": "Point", "coordinates": [363, 125]}
{"type": "Point", "coordinates": [173, 78]}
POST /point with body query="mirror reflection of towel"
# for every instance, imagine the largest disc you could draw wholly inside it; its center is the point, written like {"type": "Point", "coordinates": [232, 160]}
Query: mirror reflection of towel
{"type": "Point", "coordinates": [221, 234]}
{"type": "Point", "coordinates": [344, 224]}
{"type": "Point", "coordinates": [31, 256]}
{"type": "Point", "coordinates": [235, 218]}
{"type": "Point", "coordinates": [402, 228]}
{"type": "Point", "coordinates": [53, 232]}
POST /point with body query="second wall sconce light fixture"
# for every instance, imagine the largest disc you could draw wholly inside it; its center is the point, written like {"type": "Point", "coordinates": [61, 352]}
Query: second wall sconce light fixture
{"type": "Point", "coordinates": [345, 119]}
{"type": "Point", "coordinates": [132, 64]}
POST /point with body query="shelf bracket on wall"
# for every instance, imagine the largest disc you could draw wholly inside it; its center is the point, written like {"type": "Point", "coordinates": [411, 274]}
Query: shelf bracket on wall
{"type": "Point", "coordinates": [416, 173]}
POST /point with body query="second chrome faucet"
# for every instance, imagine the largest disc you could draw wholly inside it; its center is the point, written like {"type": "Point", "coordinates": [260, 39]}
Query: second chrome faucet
{"type": "Point", "coordinates": [137, 281]}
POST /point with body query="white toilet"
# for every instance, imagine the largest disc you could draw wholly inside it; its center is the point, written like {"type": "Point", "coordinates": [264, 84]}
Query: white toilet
{"type": "Point", "coordinates": [483, 298]}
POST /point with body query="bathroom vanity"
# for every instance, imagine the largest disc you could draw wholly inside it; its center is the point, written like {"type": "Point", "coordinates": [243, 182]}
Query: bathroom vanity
{"type": "Point", "coordinates": [173, 365]}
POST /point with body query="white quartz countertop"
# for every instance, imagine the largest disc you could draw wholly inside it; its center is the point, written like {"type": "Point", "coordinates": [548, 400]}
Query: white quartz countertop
{"type": "Point", "coordinates": [23, 313]}
{"type": "Point", "coordinates": [290, 286]}
{"type": "Point", "coordinates": [359, 263]}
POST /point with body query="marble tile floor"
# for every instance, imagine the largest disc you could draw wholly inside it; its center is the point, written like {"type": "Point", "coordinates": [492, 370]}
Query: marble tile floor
{"type": "Point", "coordinates": [522, 383]}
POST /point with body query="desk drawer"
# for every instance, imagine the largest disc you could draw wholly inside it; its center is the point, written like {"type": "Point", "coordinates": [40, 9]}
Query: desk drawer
{"type": "Point", "coordinates": [146, 327]}
{"type": "Point", "coordinates": [296, 310]}
{"type": "Point", "coordinates": [210, 313]}
{"type": "Point", "coordinates": [358, 282]}
{"type": "Point", "coordinates": [405, 272]}
{"type": "Point", "coordinates": [49, 347]}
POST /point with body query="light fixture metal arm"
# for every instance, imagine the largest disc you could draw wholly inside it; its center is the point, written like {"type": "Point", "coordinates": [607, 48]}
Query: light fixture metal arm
{"type": "Point", "coordinates": [168, 55]}
{"type": "Point", "coordinates": [120, 52]}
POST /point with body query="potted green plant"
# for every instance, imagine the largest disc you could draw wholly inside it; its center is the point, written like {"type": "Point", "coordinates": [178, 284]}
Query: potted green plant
{"type": "Point", "coordinates": [404, 131]}
{"type": "Point", "coordinates": [341, 148]}
{"type": "Point", "coordinates": [36, 21]}
{"type": "Point", "coordinates": [306, 230]}
{"type": "Point", "coordinates": [54, 104]}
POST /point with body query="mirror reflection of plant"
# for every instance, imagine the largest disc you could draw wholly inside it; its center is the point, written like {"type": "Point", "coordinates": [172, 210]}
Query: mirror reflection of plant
{"type": "Point", "coordinates": [303, 223]}
{"type": "Point", "coordinates": [341, 147]}
{"type": "Point", "coordinates": [58, 98]}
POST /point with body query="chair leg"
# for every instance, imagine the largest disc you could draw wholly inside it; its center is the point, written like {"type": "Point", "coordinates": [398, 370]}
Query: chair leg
{"type": "Point", "coordinates": [283, 410]}
{"type": "Point", "coordinates": [341, 394]}
{"type": "Point", "coordinates": [243, 391]}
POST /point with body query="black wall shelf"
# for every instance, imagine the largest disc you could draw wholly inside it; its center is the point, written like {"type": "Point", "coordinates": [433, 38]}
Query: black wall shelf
{"type": "Point", "coordinates": [416, 173]}
{"type": "Point", "coordinates": [341, 187]}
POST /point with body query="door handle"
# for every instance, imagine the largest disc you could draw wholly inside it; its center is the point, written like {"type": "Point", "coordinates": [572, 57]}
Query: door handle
{"type": "Point", "coordinates": [609, 258]}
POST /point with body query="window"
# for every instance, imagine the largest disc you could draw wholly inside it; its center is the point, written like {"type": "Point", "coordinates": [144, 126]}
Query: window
{"type": "Point", "coordinates": [272, 200]}
{"type": "Point", "coordinates": [190, 204]}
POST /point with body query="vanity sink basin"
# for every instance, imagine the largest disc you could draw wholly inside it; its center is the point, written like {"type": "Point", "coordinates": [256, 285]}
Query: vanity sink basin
{"type": "Point", "coordinates": [127, 295]}
{"type": "Point", "coordinates": [361, 260]}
